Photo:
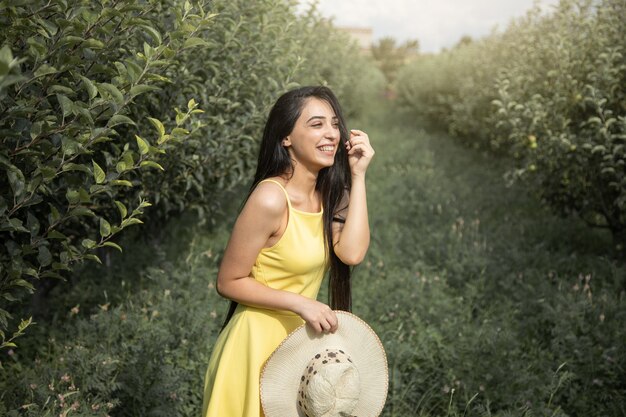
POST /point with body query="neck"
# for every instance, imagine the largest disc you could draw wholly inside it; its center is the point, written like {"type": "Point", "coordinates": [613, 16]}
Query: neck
{"type": "Point", "coordinates": [303, 181]}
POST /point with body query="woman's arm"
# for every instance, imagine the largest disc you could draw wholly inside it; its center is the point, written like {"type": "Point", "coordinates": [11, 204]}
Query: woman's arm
{"type": "Point", "coordinates": [261, 218]}
{"type": "Point", "coordinates": [351, 239]}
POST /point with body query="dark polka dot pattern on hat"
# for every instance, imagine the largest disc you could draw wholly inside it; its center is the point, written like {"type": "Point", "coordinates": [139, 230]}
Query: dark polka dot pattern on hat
{"type": "Point", "coordinates": [319, 360]}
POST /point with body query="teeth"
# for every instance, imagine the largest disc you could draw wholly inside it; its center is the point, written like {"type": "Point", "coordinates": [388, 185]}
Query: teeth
{"type": "Point", "coordinates": [327, 148]}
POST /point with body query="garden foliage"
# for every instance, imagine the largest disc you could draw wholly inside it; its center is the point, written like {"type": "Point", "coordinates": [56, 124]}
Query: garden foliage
{"type": "Point", "coordinates": [551, 93]}
{"type": "Point", "coordinates": [479, 315]}
{"type": "Point", "coordinates": [110, 107]}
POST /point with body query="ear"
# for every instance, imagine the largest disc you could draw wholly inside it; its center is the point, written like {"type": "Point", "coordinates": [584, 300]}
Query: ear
{"type": "Point", "coordinates": [286, 142]}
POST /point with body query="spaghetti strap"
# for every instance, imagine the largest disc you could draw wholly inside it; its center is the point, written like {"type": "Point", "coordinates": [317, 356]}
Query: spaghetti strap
{"type": "Point", "coordinates": [281, 187]}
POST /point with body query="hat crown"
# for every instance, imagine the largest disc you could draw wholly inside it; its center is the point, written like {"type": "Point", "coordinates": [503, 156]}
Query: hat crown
{"type": "Point", "coordinates": [283, 382]}
{"type": "Point", "coordinates": [330, 385]}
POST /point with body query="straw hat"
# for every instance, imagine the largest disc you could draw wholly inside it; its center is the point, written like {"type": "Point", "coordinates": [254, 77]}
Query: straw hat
{"type": "Point", "coordinates": [326, 375]}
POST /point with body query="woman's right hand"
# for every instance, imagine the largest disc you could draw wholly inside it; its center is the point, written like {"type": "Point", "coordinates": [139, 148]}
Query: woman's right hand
{"type": "Point", "coordinates": [318, 315]}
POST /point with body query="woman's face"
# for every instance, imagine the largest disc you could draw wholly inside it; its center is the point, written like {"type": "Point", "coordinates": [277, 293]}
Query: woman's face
{"type": "Point", "coordinates": [315, 137]}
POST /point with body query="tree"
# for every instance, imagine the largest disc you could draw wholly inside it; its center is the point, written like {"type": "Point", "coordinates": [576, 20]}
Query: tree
{"type": "Point", "coordinates": [390, 57]}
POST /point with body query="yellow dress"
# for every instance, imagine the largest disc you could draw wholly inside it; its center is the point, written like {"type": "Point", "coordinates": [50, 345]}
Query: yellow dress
{"type": "Point", "coordinates": [295, 263]}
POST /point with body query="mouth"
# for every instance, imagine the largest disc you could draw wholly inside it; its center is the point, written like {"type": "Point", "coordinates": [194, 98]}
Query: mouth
{"type": "Point", "coordinates": [327, 149]}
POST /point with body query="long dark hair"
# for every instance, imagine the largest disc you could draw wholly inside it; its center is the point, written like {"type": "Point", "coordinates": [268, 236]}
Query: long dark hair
{"type": "Point", "coordinates": [332, 182]}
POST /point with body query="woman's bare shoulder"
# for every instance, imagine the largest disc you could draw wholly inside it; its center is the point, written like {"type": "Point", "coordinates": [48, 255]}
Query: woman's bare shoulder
{"type": "Point", "coordinates": [267, 198]}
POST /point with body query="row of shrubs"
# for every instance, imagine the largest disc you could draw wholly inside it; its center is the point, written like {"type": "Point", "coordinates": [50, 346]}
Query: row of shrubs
{"type": "Point", "coordinates": [131, 339]}
{"type": "Point", "coordinates": [550, 91]}
{"type": "Point", "coordinates": [119, 113]}
{"type": "Point", "coordinates": [486, 304]}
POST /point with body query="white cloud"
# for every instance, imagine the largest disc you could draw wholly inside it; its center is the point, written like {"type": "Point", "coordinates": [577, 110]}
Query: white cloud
{"type": "Point", "coordinates": [435, 23]}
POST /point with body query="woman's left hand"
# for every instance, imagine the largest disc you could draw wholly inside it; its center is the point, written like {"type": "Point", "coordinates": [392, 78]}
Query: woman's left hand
{"type": "Point", "coordinates": [360, 152]}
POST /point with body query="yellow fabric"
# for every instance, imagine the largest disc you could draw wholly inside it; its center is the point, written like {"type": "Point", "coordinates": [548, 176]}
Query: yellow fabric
{"type": "Point", "coordinates": [295, 263]}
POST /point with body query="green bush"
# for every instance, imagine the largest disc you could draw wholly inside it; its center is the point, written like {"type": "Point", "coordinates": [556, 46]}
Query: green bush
{"type": "Point", "coordinates": [136, 350]}
{"type": "Point", "coordinates": [549, 92]}
{"type": "Point", "coordinates": [100, 117]}
{"type": "Point", "coordinates": [486, 304]}
{"type": "Point", "coordinates": [70, 148]}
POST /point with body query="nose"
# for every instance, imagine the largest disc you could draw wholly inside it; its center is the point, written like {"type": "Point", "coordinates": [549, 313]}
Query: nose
{"type": "Point", "coordinates": [332, 132]}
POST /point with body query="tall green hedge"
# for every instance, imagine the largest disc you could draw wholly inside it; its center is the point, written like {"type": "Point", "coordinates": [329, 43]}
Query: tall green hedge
{"type": "Point", "coordinates": [110, 107]}
{"type": "Point", "coordinates": [73, 122]}
{"type": "Point", "coordinates": [551, 93]}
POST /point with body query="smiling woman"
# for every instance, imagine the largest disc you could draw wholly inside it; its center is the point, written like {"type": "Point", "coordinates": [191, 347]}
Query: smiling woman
{"type": "Point", "coordinates": [306, 215]}
{"type": "Point", "coordinates": [315, 137]}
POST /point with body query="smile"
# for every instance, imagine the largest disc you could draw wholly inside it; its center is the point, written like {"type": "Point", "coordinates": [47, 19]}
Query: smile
{"type": "Point", "coordinates": [327, 148]}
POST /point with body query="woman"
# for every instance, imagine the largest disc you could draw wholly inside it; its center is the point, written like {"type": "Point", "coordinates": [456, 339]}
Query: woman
{"type": "Point", "coordinates": [306, 214]}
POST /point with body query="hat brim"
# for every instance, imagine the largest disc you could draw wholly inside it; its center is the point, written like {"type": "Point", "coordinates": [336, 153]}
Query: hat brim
{"type": "Point", "coordinates": [282, 371]}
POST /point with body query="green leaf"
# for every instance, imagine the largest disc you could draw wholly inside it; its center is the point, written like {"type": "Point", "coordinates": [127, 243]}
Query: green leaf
{"type": "Point", "coordinates": [194, 41]}
{"type": "Point", "coordinates": [6, 60]}
{"type": "Point", "coordinates": [179, 131]}
{"type": "Point", "coordinates": [113, 245]}
{"type": "Point", "coordinates": [72, 196]}
{"type": "Point", "coordinates": [54, 214]}
{"type": "Point", "coordinates": [119, 119]}
{"type": "Point", "coordinates": [121, 167]}
{"type": "Point", "coordinates": [45, 69]}
{"type": "Point", "coordinates": [122, 183]}
{"type": "Point", "coordinates": [93, 43]}
{"type": "Point", "coordinates": [598, 148]}
{"type": "Point", "coordinates": [134, 70]}
{"type": "Point", "coordinates": [70, 40]}
{"type": "Point", "coordinates": [154, 34]}
{"type": "Point", "coordinates": [122, 208]}
{"type": "Point", "coordinates": [33, 224]}
{"type": "Point", "coordinates": [15, 225]}
{"type": "Point", "coordinates": [88, 243]}
{"type": "Point", "coordinates": [30, 272]}
{"type": "Point", "coordinates": [76, 167]}
{"type": "Point", "coordinates": [142, 88]}
{"type": "Point", "coordinates": [131, 221]}
{"type": "Point", "coordinates": [144, 147]}
{"type": "Point", "coordinates": [58, 265]}
{"type": "Point", "coordinates": [89, 86]}
{"type": "Point", "coordinates": [93, 257]}
{"type": "Point", "coordinates": [111, 90]}
{"type": "Point", "coordinates": [84, 196]}
{"type": "Point", "coordinates": [151, 164]}
{"type": "Point", "coordinates": [16, 180]}
{"type": "Point", "coordinates": [159, 126]}
{"type": "Point", "coordinates": [23, 283]}
{"type": "Point", "coordinates": [55, 234]}
{"type": "Point", "coordinates": [44, 257]}
{"type": "Point", "coordinates": [66, 104]}
{"type": "Point", "coordinates": [105, 228]}
{"type": "Point", "coordinates": [25, 323]}
{"type": "Point", "coordinates": [98, 173]}
{"type": "Point", "coordinates": [121, 69]}
{"type": "Point", "coordinates": [56, 88]}
{"type": "Point", "coordinates": [163, 139]}
{"type": "Point", "coordinates": [191, 104]}
{"type": "Point", "coordinates": [82, 211]}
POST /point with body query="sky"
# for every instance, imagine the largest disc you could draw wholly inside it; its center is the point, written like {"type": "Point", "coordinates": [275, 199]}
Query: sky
{"type": "Point", "coordinates": [434, 23]}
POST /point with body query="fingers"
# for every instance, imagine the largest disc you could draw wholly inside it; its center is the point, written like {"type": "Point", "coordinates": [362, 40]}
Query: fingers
{"type": "Point", "coordinates": [327, 323]}
{"type": "Point", "coordinates": [356, 137]}
{"type": "Point", "coordinates": [363, 148]}
{"type": "Point", "coordinates": [334, 323]}
{"type": "Point", "coordinates": [360, 136]}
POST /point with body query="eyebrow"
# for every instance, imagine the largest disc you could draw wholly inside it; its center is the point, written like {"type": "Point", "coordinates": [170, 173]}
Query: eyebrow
{"type": "Point", "coordinates": [321, 117]}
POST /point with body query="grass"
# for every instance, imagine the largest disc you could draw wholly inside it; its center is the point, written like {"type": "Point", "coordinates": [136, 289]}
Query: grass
{"type": "Point", "coordinates": [486, 303]}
